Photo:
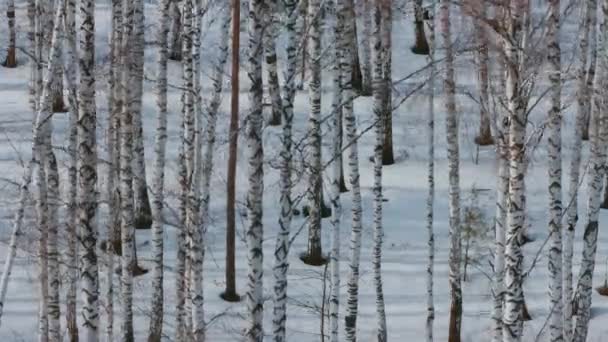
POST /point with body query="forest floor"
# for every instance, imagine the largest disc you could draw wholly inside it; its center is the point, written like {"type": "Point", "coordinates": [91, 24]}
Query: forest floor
{"type": "Point", "coordinates": [404, 214]}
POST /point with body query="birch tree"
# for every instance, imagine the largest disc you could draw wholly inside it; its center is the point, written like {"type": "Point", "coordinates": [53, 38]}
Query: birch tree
{"type": "Point", "coordinates": [157, 309]}
{"type": "Point", "coordinates": [554, 144]}
{"type": "Point", "coordinates": [314, 254]}
{"type": "Point", "coordinates": [584, 100]}
{"type": "Point", "coordinates": [255, 228]}
{"type": "Point", "coordinates": [281, 251]}
{"type": "Point", "coordinates": [71, 70]}
{"type": "Point", "coordinates": [598, 130]}
{"type": "Point", "coordinates": [336, 174]}
{"type": "Point", "coordinates": [515, 219]}
{"type": "Point", "coordinates": [430, 268]}
{"type": "Point", "coordinates": [142, 211]}
{"type": "Point", "coordinates": [380, 89]}
{"type": "Point", "coordinates": [127, 229]}
{"type": "Point", "coordinates": [87, 175]}
{"type": "Point", "coordinates": [345, 20]}
{"type": "Point", "coordinates": [11, 53]}
{"type": "Point", "coordinates": [454, 177]}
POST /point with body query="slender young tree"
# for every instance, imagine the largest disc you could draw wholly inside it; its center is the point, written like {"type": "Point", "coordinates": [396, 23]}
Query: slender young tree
{"type": "Point", "coordinates": [71, 253]}
{"type": "Point", "coordinates": [381, 13]}
{"type": "Point", "coordinates": [583, 101]}
{"type": "Point", "coordinates": [41, 130]}
{"type": "Point", "coordinates": [598, 130]}
{"type": "Point", "coordinates": [346, 20]}
{"type": "Point", "coordinates": [336, 176]}
{"type": "Point", "coordinates": [127, 229]}
{"type": "Point", "coordinates": [516, 200]}
{"type": "Point", "coordinates": [115, 106]}
{"type": "Point", "coordinates": [430, 268]}
{"type": "Point", "coordinates": [255, 228]}
{"type": "Point", "coordinates": [87, 175]}
{"type": "Point", "coordinates": [502, 188]}
{"type": "Point", "coordinates": [314, 253]}
{"type": "Point", "coordinates": [454, 177]}
{"type": "Point", "coordinates": [281, 251]}
{"type": "Point", "coordinates": [185, 163]}
{"type": "Point", "coordinates": [230, 293]}
{"type": "Point", "coordinates": [11, 53]}
{"type": "Point", "coordinates": [196, 247]}
{"type": "Point", "coordinates": [554, 144]}
{"type": "Point", "coordinates": [158, 183]}
{"type": "Point", "coordinates": [143, 213]}
{"type": "Point", "coordinates": [47, 202]}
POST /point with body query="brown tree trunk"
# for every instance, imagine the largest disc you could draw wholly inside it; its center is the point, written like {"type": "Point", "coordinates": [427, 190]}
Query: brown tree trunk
{"type": "Point", "coordinates": [11, 56]}
{"type": "Point", "coordinates": [230, 291]}
{"type": "Point", "coordinates": [421, 46]}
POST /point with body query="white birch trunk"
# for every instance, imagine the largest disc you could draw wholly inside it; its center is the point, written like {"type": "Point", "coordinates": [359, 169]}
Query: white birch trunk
{"type": "Point", "coordinates": [598, 130]}
{"type": "Point", "coordinates": [430, 305]}
{"type": "Point", "coordinates": [87, 171]}
{"type": "Point", "coordinates": [345, 17]}
{"type": "Point", "coordinates": [281, 251]}
{"type": "Point", "coordinates": [589, 12]}
{"type": "Point", "coordinates": [158, 182]}
{"type": "Point", "coordinates": [336, 174]}
{"type": "Point", "coordinates": [255, 229]}
{"type": "Point", "coordinates": [515, 220]}
{"type": "Point", "coordinates": [454, 177]}
{"type": "Point", "coordinates": [314, 254]}
{"type": "Point", "coordinates": [127, 233]}
{"type": "Point", "coordinates": [554, 147]}
{"type": "Point", "coordinates": [71, 254]}
{"type": "Point", "coordinates": [380, 92]}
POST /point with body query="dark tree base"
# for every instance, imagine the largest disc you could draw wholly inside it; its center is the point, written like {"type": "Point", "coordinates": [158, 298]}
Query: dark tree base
{"type": "Point", "coordinates": [313, 260]}
{"type": "Point", "coordinates": [525, 314]}
{"type": "Point", "coordinates": [143, 216]}
{"type": "Point", "coordinates": [422, 50]}
{"type": "Point", "coordinates": [116, 246]}
{"type": "Point", "coordinates": [230, 296]}
{"type": "Point", "coordinates": [59, 105]}
{"type": "Point", "coordinates": [524, 239]}
{"type": "Point", "coordinates": [602, 290]}
{"type": "Point", "coordinates": [604, 205]}
{"type": "Point", "coordinates": [138, 271]}
{"type": "Point", "coordinates": [10, 62]}
{"type": "Point", "coordinates": [484, 140]}
{"type": "Point", "coordinates": [274, 121]}
{"type": "Point", "coordinates": [143, 221]}
{"type": "Point", "coordinates": [175, 58]}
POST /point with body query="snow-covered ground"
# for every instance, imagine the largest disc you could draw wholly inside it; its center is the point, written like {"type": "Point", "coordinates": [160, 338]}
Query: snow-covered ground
{"type": "Point", "coordinates": [405, 188]}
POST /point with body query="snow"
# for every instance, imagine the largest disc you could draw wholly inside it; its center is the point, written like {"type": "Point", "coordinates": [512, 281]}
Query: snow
{"type": "Point", "coordinates": [405, 188]}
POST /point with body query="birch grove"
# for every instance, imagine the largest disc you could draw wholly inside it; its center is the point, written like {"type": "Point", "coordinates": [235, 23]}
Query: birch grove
{"type": "Point", "coordinates": [389, 83]}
